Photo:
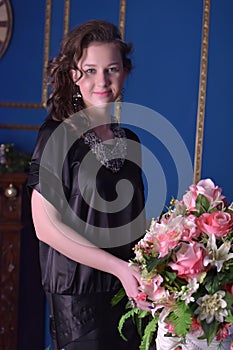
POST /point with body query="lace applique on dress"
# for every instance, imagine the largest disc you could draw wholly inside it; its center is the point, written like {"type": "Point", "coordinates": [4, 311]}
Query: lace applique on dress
{"type": "Point", "coordinates": [112, 157]}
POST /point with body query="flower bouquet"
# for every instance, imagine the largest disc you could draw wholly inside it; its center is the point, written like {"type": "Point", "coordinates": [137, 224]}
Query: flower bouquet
{"type": "Point", "coordinates": [185, 261]}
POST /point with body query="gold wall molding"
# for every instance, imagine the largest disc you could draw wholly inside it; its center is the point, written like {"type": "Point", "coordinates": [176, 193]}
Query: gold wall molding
{"type": "Point", "coordinates": [66, 17]}
{"type": "Point", "coordinates": [122, 16]}
{"type": "Point", "coordinates": [202, 92]}
{"type": "Point", "coordinates": [44, 92]}
{"type": "Point", "coordinates": [19, 127]}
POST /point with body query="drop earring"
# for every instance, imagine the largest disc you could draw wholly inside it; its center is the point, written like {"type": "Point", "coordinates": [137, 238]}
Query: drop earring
{"type": "Point", "coordinates": [76, 98]}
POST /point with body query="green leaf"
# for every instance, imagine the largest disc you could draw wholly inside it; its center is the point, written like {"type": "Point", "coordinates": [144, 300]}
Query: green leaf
{"type": "Point", "coordinates": [229, 318]}
{"type": "Point", "coordinates": [143, 314]}
{"type": "Point", "coordinates": [209, 330]}
{"type": "Point", "coordinates": [140, 322]}
{"type": "Point", "coordinates": [123, 319]}
{"type": "Point", "coordinates": [149, 333]}
{"type": "Point", "coordinates": [195, 213]}
{"type": "Point", "coordinates": [152, 262]}
{"type": "Point", "coordinates": [229, 299]}
{"type": "Point", "coordinates": [202, 204]}
{"type": "Point", "coordinates": [212, 282]}
{"type": "Point", "coordinates": [171, 276]}
{"type": "Point", "coordinates": [181, 318]}
{"type": "Point", "coordinates": [118, 297]}
{"type": "Point", "coordinates": [139, 325]}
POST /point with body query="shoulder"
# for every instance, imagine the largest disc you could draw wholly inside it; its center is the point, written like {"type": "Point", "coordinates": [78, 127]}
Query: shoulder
{"type": "Point", "coordinates": [131, 134]}
{"type": "Point", "coordinates": [55, 133]}
{"type": "Point", "coordinates": [48, 127]}
{"type": "Point", "coordinates": [44, 134]}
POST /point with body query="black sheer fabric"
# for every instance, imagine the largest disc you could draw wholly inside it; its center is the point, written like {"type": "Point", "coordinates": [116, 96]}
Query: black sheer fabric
{"type": "Point", "coordinates": [79, 297]}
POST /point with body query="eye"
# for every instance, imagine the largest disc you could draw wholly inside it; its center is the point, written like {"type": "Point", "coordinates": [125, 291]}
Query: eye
{"type": "Point", "coordinates": [113, 69]}
{"type": "Point", "coordinates": [90, 71]}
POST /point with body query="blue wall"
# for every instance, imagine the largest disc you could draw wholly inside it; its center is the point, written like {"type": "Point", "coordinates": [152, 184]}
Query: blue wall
{"type": "Point", "coordinates": [167, 40]}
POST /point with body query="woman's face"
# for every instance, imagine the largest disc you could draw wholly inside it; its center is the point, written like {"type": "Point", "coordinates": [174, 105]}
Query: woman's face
{"type": "Point", "coordinates": [103, 74]}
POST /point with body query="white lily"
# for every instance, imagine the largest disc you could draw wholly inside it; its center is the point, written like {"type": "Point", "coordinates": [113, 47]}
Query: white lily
{"type": "Point", "coordinates": [231, 206]}
{"type": "Point", "coordinates": [217, 256]}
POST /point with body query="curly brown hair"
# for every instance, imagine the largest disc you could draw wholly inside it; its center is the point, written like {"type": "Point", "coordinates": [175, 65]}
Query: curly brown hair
{"type": "Point", "coordinates": [59, 103]}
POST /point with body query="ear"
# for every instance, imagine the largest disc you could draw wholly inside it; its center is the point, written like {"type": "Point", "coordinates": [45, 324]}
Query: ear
{"type": "Point", "coordinates": [74, 75]}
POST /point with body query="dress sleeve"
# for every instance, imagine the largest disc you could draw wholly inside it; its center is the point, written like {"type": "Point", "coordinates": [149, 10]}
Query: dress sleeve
{"type": "Point", "coordinates": [49, 169]}
{"type": "Point", "coordinates": [49, 174]}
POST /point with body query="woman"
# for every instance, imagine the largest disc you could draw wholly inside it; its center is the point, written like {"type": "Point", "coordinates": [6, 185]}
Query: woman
{"type": "Point", "coordinates": [85, 227]}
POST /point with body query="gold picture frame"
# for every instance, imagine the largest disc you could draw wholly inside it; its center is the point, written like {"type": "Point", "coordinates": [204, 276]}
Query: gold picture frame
{"type": "Point", "coordinates": [44, 92]}
{"type": "Point", "coordinates": [6, 25]}
{"type": "Point", "coordinates": [202, 92]}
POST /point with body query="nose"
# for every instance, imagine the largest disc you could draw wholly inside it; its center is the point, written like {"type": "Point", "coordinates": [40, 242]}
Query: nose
{"type": "Point", "coordinates": [102, 78]}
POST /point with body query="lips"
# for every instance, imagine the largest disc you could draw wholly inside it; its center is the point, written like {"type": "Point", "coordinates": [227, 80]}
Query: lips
{"type": "Point", "coordinates": [102, 93]}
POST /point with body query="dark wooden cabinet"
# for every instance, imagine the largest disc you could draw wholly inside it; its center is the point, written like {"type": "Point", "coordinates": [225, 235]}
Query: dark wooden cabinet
{"type": "Point", "coordinates": [22, 300]}
{"type": "Point", "coordinates": [11, 190]}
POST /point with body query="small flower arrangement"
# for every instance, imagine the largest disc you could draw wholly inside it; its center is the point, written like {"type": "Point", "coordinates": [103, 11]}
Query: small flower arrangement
{"type": "Point", "coordinates": [13, 161]}
{"type": "Point", "coordinates": [186, 264]}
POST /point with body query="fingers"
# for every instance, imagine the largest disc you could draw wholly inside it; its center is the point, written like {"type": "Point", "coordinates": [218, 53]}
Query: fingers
{"type": "Point", "coordinates": [137, 276]}
{"type": "Point", "coordinates": [140, 301]}
{"type": "Point", "coordinates": [144, 305]}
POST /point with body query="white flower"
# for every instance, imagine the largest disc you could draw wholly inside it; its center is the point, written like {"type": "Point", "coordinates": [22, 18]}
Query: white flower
{"type": "Point", "coordinates": [179, 208]}
{"type": "Point", "coordinates": [187, 291]}
{"type": "Point", "coordinates": [212, 307]}
{"type": "Point", "coordinates": [139, 257]}
{"type": "Point", "coordinates": [193, 285]}
{"type": "Point", "coordinates": [217, 256]}
{"type": "Point", "coordinates": [231, 206]}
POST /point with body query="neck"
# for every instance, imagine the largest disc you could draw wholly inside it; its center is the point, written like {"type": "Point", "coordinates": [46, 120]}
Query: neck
{"type": "Point", "coordinates": [99, 116]}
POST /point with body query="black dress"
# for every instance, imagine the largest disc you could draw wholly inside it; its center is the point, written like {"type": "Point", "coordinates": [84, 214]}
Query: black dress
{"type": "Point", "coordinates": [79, 297]}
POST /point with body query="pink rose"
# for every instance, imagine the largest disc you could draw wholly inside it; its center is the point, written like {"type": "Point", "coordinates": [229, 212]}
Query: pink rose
{"type": "Point", "coordinates": [189, 199]}
{"type": "Point", "coordinates": [208, 189]}
{"type": "Point", "coordinates": [167, 241]}
{"type": "Point", "coordinates": [152, 288]}
{"type": "Point", "coordinates": [168, 234]}
{"type": "Point", "coordinates": [218, 223]}
{"type": "Point", "coordinates": [141, 296]}
{"type": "Point", "coordinates": [188, 260]}
{"type": "Point", "coordinates": [190, 230]}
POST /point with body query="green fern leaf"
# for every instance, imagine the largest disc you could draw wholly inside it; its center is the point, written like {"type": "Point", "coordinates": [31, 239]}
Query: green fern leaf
{"type": "Point", "coordinates": [140, 323]}
{"type": "Point", "coordinates": [143, 314]}
{"type": "Point", "coordinates": [148, 333]}
{"type": "Point", "coordinates": [181, 318]}
{"type": "Point", "coordinates": [128, 314]}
